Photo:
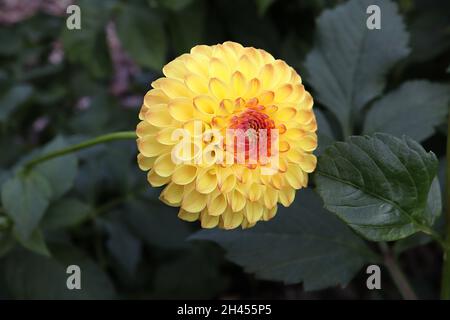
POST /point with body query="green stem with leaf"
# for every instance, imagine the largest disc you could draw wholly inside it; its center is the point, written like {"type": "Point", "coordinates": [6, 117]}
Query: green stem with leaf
{"type": "Point", "coordinates": [445, 282]}
{"type": "Point", "coordinates": [83, 145]}
{"type": "Point", "coordinates": [5, 222]}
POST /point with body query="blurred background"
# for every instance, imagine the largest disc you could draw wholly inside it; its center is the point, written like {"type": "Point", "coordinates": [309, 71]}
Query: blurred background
{"type": "Point", "coordinates": [60, 86]}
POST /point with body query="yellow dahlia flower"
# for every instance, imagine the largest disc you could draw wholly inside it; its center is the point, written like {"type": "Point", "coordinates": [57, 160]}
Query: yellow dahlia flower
{"type": "Point", "coordinates": [216, 89]}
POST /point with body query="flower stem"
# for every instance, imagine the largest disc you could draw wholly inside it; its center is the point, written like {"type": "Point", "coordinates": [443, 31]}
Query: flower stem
{"type": "Point", "coordinates": [396, 273]}
{"type": "Point", "coordinates": [83, 145]}
{"type": "Point", "coordinates": [445, 282]}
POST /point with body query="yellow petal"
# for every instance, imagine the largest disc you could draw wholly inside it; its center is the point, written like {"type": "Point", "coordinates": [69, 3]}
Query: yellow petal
{"type": "Point", "coordinates": [217, 204]}
{"type": "Point", "coordinates": [181, 109]}
{"type": "Point", "coordinates": [266, 97]}
{"type": "Point", "coordinates": [184, 174]}
{"type": "Point", "coordinates": [188, 216]}
{"type": "Point", "coordinates": [226, 107]}
{"type": "Point", "coordinates": [219, 89]}
{"type": "Point", "coordinates": [307, 102]}
{"type": "Point", "coordinates": [164, 166]}
{"type": "Point", "coordinates": [238, 83]}
{"type": "Point", "coordinates": [175, 69]}
{"type": "Point", "coordinates": [246, 67]}
{"type": "Point", "coordinates": [227, 184]}
{"type": "Point", "coordinates": [155, 96]}
{"type": "Point", "coordinates": [208, 221]}
{"type": "Point", "coordinates": [255, 192]}
{"type": "Point", "coordinates": [270, 197]}
{"type": "Point", "coordinates": [232, 220]}
{"type": "Point", "coordinates": [308, 163]}
{"type": "Point", "coordinates": [269, 213]}
{"type": "Point", "coordinates": [294, 134]}
{"type": "Point", "coordinates": [294, 155]}
{"type": "Point", "coordinates": [165, 136]}
{"type": "Point", "coordinates": [266, 57]}
{"type": "Point", "coordinates": [298, 93]}
{"type": "Point", "coordinates": [282, 71]}
{"type": "Point", "coordinates": [236, 47]}
{"type": "Point", "coordinates": [226, 54]}
{"type": "Point", "coordinates": [219, 70]}
{"type": "Point", "coordinates": [194, 201]}
{"type": "Point", "coordinates": [237, 200]}
{"type": "Point", "coordinates": [277, 181]}
{"type": "Point", "coordinates": [206, 181]}
{"type": "Point", "coordinates": [284, 146]}
{"type": "Point", "coordinates": [294, 176]}
{"type": "Point", "coordinates": [287, 195]}
{"type": "Point", "coordinates": [304, 116]}
{"type": "Point", "coordinates": [173, 88]}
{"type": "Point", "coordinates": [197, 64]}
{"type": "Point", "coordinates": [203, 50]}
{"type": "Point", "coordinates": [283, 92]}
{"type": "Point", "coordinates": [308, 142]}
{"type": "Point", "coordinates": [172, 194]}
{"type": "Point", "coordinates": [150, 147]}
{"type": "Point", "coordinates": [145, 163]}
{"type": "Point", "coordinates": [285, 114]}
{"type": "Point", "coordinates": [253, 88]}
{"type": "Point", "coordinates": [205, 105]}
{"type": "Point", "coordinates": [159, 116]}
{"type": "Point", "coordinates": [266, 75]}
{"type": "Point", "coordinates": [145, 129]}
{"type": "Point", "coordinates": [254, 211]}
{"type": "Point", "coordinates": [196, 83]}
{"type": "Point", "coordinates": [155, 180]}
{"type": "Point", "coordinates": [254, 55]}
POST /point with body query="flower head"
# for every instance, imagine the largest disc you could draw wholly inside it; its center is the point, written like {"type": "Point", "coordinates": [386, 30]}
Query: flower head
{"type": "Point", "coordinates": [229, 131]}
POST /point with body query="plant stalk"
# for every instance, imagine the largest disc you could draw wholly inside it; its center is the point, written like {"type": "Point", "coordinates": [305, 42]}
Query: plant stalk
{"type": "Point", "coordinates": [83, 145]}
{"type": "Point", "coordinates": [400, 280]}
{"type": "Point", "coordinates": [445, 281]}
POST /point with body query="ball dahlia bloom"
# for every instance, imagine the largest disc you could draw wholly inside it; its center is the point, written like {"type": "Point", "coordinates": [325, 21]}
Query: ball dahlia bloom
{"type": "Point", "coordinates": [217, 89]}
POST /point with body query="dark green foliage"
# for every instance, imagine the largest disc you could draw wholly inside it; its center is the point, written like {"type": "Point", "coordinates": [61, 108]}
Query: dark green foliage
{"type": "Point", "coordinates": [96, 209]}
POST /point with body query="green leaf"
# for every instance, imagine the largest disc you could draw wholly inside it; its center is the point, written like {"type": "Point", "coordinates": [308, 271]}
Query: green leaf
{"type": "Point", "coordinates": [11, 41]}
{"type": "Point", "coordinates": [64, 213]}
{"type": "Point", "coordinates": [12, 98]}
{"type": "Point", "coordinates": [200, 277]}
{"type": "Point", "coordinates": [414, 109]}
{"type": "Point", "coordinates": [31, 276]}
{"type": "Point", "coordinates": [60, 172]}
{"type": "Point", "coordinates": [157, 225]}
{"type": "Point", "coordinates": [379, 185]}
{"type": "Point", "coordinates": [6, 243]}
{"type": "Point", "coordinates": [25, 198]}
{"type": "Point", "coordinates": [349, 63]}
{"type": "Point", "coordinates": [124, 246]}
{"type": "Point", "coordinates": [175, 5]}
{"type": "Point", "coordinates": [186, 28]}
{"type": "Point", "coordinates": [88, 45]}
{"type": "Point", "coordinates": [142, 36]}
{"type": "Point", "coordinates": [324, 132]}
{"type": "Point", "coordinates": [434, 208]}
{"type": "Point", "coordinates": [36, 243]}
{"type": "Point", "coordinates": [428, 26]}
{"type": "Point", "coordinates": [298, 245]}
{"type": "Point", "coordinates": [263, 6]}
{"type": "Point", "coordinates": [434, 201]}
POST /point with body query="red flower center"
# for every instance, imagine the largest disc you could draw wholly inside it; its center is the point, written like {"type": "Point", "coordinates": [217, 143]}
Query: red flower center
{"type": "Point", "coordinates": [253, 134]}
